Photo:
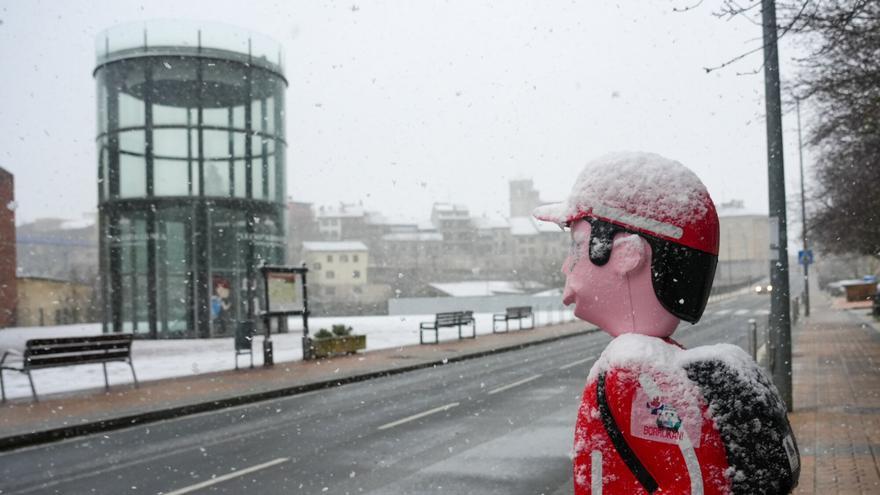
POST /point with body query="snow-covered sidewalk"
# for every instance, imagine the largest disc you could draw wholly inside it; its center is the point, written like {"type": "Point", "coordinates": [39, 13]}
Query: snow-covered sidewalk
{"type": "Point", "coordinates": [157, 359]}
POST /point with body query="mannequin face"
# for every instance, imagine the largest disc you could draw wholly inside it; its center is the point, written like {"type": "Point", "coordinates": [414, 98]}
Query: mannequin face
{"type": "Point", "coordinates": [618, 296]}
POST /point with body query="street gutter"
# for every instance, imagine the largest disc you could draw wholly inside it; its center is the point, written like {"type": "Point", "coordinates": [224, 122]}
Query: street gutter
{"type": "Point", "coordinates": [22, 440]}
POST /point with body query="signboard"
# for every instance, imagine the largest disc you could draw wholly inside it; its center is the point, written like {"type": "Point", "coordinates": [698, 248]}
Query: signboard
{"type": "Point", "coordinates": [805, 257]}
{"type": "Point", "coordinates": [284, 291]}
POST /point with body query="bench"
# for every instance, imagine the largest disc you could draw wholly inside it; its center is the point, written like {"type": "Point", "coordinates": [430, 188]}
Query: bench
{"type": "Point", "coordinates": [450, 319]}
{"type": "Point", "coordinates": [69, 351]}
{"type": "Point", "coordinates": [518, 313]}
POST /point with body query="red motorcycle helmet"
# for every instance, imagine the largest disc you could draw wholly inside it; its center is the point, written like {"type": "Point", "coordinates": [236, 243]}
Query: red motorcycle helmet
{"type": "Point", "coordinates": [660, 200]}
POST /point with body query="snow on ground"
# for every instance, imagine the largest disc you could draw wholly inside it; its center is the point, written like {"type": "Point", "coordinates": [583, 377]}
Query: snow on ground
{"type": "Point", "coordinates": [156, 359]}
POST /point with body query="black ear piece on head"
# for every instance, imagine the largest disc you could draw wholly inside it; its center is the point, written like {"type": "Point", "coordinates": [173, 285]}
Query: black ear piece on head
{"type": "Point", "coordinates": [601, 241]}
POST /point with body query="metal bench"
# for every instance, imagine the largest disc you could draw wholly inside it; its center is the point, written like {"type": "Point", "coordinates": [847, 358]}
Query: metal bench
{"type": "Point", "coordinates": [518, 313]}
{"type": "Point", "coordinates": [450, 319]}
{"type": "Point", "coordinates": [69, 351]}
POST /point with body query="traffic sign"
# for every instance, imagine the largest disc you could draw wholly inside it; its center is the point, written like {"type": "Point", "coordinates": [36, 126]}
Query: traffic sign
{"type": "Point", "coordinates": [805, 257]}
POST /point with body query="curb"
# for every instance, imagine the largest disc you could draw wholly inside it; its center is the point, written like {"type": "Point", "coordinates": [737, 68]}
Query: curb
{"type": "Point", "coordinates": [51, 435]}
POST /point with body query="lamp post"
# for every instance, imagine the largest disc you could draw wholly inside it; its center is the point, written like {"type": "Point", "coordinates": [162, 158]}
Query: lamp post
{"type": "Point", "coordinates": [805, 261]}
{"type": "Point", "coordinates": [780, 316]}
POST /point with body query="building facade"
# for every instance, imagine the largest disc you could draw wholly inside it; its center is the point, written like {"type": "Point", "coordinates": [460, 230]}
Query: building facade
{"type": "Point", "coordinates": [45, 301]}
{"type": "Point", "coordinates": [191, 174]}
{"type": "Point", "coordinates": [8, 290]}
{"type": "Point", "coordinates": [744, 250]}
{"type": "Point", "coordinates": [338, 278]}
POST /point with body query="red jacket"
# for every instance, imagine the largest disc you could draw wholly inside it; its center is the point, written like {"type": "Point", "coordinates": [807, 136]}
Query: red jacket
{"type": "Point", "coordinates": [647, 429]}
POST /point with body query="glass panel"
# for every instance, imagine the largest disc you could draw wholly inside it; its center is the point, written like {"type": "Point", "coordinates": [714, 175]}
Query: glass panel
{"type": "Point", "coordinates": [132, 141]}
{"type": "Point", "coordinates": [170, 178]}
{"type": "Point", "coordinates": [163, 114]}
{"type": "Point", "coordinates": [271, 177]}
{"type": "Point", "coordinates": [170, 143]}
{"type": "Point", "coordinates": [217, 178]}
{"type": "Point", "coordinates": [132, 176]}
{"type": "Point", "coordinates": [270, 115]}
{"type": "Point", "coordinates": [256, 116]}
{"type": "Point", "coordinates": [101, 101]}
{"type": "Point", "coordinates": [257, 146]}
{"type": "Point", "coordinates": [239, 179]}
{"type": "Point", "coordinates": [131, 111]}
{"type": "Point", "coordinates": [216, 143]}
{"type": "Point", "coordinates": [257, 179]}
{"type": "Point", "coordinates": [238, 117]}
{"type": "Point", "coordinates": [238, 144]}
{"type": "Point", "coordinates": [215, 117]}
{"type": "Point", "coordinates": [172, 272]}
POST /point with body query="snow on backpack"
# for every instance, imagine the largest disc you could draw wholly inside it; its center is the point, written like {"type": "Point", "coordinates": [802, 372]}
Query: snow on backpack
{"type": "Point", "coordinates": [658, 419]}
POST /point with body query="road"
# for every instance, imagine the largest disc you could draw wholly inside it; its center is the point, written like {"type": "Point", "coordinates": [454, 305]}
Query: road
{"type": "Point", "coordinates": [496, 425]}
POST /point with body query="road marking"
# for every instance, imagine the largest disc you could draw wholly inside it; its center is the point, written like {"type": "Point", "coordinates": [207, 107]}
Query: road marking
{"type": "Point", "coordinates": [762, 312]}
{"type": "Point", "coordinates": [419, 416]}
{"type": "Point", "coordinates": [229, 476]}
{"type": "Point", "coordinates": [741, 312]}
{"type": "Point", "coordinates": [722, 312]}
{"type": "Point", "coordinates": [579, 361]}
{"type": "Point", "coordinates": [514, 384]}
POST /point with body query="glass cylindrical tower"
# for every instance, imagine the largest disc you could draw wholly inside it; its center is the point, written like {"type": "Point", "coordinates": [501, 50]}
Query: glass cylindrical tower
{"type": "Point", "coordinates": [191, 175]}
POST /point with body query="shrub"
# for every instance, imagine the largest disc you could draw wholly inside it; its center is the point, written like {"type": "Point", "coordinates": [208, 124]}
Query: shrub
{"type": "Point", "coordinates": [341, 331]}
{"type": "Point", "coordinates": [323, 334]}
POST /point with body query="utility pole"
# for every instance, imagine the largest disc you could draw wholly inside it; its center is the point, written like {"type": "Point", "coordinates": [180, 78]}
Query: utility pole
{"type": "Point", "coordinates": [780, 308]}
{"type": "Point", "coordinates": [805, 261]}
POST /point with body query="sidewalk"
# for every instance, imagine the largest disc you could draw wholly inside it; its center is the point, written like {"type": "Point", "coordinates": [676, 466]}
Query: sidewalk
{"type": "Point", "coordinates": [23, 422]}
{"type": "Point", "coordinates": [836, 385]}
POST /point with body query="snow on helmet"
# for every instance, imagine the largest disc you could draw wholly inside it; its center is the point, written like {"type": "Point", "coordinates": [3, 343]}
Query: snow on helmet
{"type": "Point", "coordinates": [666, 204]}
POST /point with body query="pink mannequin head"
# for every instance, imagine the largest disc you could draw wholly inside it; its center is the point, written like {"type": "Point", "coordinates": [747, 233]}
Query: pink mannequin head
{"type": "Point", "coordinates": [618, 296]}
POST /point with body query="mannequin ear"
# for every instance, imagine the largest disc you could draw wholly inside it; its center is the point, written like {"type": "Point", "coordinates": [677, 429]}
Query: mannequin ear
{"type": "Point", "coordinates": [629, 253]}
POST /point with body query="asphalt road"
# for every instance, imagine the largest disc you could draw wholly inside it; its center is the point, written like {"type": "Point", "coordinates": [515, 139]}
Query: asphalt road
{"type": "Point", "coordinates": [496, 425]}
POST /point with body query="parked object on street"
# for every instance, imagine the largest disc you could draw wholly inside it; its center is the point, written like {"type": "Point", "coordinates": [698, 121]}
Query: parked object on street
{"type": "Point", "coordinates": [70, 351]}
{"type": "Point", "coordinates": [518, 313]}
{"type": "Point", "coordinates": [859, 290]}
{"type": "Point", "coordinates": [448, 320]}
{"type": "Point", "coordinates": [764, 289]}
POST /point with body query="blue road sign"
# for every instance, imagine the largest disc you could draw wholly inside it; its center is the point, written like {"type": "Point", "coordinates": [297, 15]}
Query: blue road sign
{"type": "Point", "coordinates": [805, 257]}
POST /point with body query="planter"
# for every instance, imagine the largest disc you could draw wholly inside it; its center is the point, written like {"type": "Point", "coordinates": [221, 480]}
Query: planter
{"type": "Point", "coordinates": [338, 345]}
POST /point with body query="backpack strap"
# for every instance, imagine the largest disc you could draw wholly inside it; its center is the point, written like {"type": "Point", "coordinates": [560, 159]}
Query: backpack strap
{"type": "Point", "coordinates": [619, 441]}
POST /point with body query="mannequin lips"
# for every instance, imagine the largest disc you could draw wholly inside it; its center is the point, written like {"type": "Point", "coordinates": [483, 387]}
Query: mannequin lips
{"type": "Point", "coordinates": [568, 296]}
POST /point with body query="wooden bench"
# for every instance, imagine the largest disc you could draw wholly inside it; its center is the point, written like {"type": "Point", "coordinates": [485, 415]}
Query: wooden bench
{"type": "Point", "coordinates": [69, 351]}
{"type": "Point", "coordinates": [518, 313]}
{"type": "Point", "coordinates": [450, 319]}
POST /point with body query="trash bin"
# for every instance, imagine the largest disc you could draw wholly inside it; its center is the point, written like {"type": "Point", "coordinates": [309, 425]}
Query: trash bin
{"type": "Point", "coordinates": [244, 340]}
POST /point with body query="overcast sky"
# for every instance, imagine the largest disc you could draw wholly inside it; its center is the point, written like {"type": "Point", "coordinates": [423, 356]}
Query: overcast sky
{"type": "Point", "coordinates": [403, 103]}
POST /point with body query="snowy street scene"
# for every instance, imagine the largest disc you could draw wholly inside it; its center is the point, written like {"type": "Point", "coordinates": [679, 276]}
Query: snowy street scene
{"type": "Point", "coordinates": [391, 248]}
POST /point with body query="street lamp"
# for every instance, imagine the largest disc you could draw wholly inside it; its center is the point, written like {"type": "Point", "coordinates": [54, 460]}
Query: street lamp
{"type": "Point", "coordinates": [805, 261]}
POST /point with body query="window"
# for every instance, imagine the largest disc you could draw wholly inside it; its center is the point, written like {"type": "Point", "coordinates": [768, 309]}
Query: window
{"type": "Point", "coordinates": [329, 258]}
{"type": "Point", "coordinates": [329, 274]}
{"type": "Point", "coordinates": [316, 266]}
{"type": "Point", "coordinates": [357, 290]}
{"type": "Point", "coordinates": [356, 274]}
{"type": "Point", "coordinates": [330, 291]}
{"type": "Point", "coordinates": [354, 258]}
{"type": "Point", "coordinates": [343, 258]}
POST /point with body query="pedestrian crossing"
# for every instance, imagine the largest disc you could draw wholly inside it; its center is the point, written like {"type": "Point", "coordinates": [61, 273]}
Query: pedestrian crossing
{"type": "Point", "coordinates": [737, 312]}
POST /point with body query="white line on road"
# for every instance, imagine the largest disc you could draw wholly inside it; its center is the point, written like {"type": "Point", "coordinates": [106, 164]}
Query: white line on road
{"type": "Point", "coordinates": [419, 415]}
{"type": "Point", "coordinates": [740, 312]}
{"type": "Point", "coordinates": [763, 312]}
{"type": "Point", "coordinates": [722, 312]}
{"type": "Point", "coordinates": [229, 476]}
{"type": "Point", "coordinates": [514, 384]}
{"type": "Point", "coordinates": [579, 361]}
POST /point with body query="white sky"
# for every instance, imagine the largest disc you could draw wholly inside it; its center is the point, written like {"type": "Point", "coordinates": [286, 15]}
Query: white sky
{"type": "Point", "coordinates": [400, 104]}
